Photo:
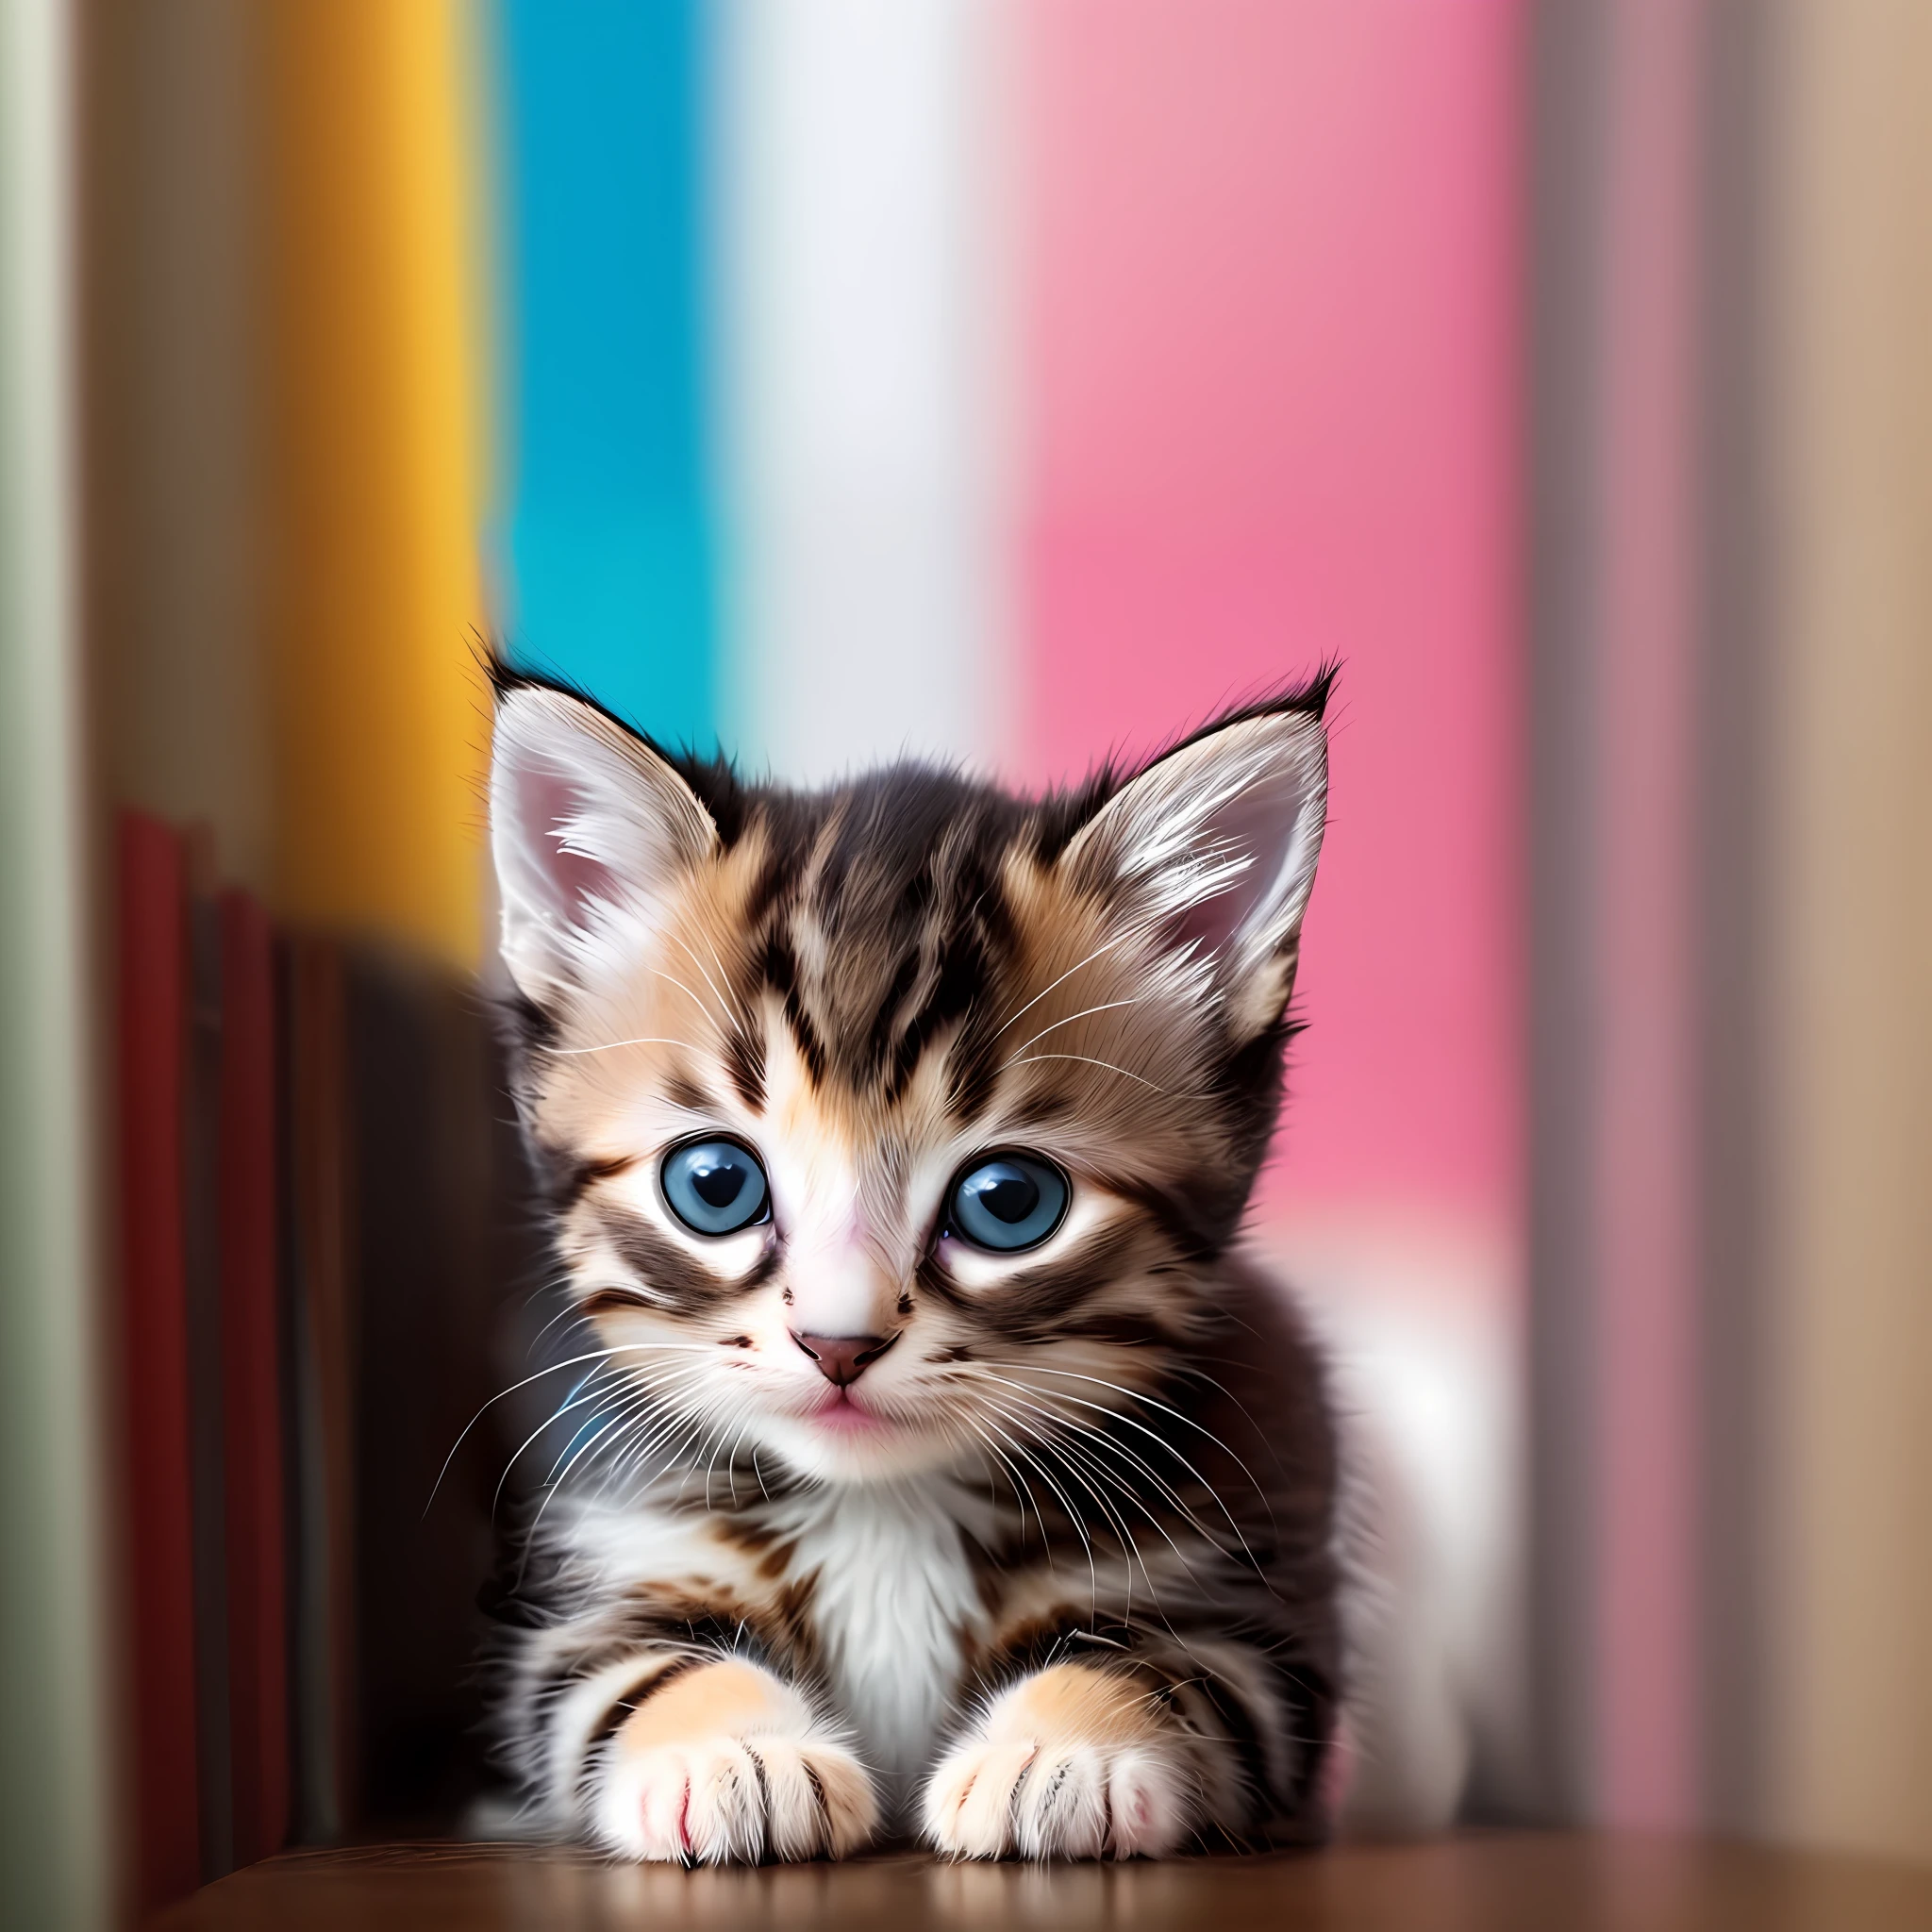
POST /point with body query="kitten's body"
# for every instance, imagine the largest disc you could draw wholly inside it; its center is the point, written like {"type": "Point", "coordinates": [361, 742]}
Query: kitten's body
{"type": "Point", "coordinates": [903, 1603]}
{"type": "Point", "coordinates": [1050, 1565]}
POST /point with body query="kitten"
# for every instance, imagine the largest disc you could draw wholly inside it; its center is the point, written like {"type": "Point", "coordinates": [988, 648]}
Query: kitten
{"type": "Point", "coordinates": [942, 1470]}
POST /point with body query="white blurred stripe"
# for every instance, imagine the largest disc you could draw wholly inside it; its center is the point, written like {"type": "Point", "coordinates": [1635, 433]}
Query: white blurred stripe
{"type": "Point", "coordinates": [57, 1832]}
{"type": "Point", "coordinates": [861, 159]}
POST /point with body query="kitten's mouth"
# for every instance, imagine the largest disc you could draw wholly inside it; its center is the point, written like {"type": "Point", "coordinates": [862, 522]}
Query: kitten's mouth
{"type": "Point", "coordinates": [841, 1413]}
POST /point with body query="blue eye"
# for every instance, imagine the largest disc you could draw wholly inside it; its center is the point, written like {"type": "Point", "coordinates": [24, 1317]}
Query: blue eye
{"type": "Point", "coordinates": [714, 1187]}
{"type": "Point", "coordinates": [1009, 1202]}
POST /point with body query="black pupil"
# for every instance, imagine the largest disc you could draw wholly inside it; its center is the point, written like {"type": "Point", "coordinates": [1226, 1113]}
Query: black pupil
{"type": "Point", "coordinates": [1007, 1194]}
{"type": "Point", "coordinates": [719, 1179]}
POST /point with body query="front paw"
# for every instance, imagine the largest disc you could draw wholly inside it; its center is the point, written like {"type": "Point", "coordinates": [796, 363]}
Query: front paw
{"type": "Point", "coordinates": [727, 1764]}
{"type": "Point", "coordinates": [1071, 1763]}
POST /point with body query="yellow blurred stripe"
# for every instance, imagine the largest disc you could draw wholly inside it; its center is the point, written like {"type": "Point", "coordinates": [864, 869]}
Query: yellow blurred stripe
{"type": "Point", "coordinates": [374, 594]}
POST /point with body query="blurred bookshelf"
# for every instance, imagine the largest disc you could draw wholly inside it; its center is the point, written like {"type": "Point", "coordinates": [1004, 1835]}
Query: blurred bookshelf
{"type": "Point", "coordinates": [323, 1224]}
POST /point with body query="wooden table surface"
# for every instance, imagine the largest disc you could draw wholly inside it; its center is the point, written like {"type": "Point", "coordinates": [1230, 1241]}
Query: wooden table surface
{"type": "Point", "coordinates": [1477, 1883]}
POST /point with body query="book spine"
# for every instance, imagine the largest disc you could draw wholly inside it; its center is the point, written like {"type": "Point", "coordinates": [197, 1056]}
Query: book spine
{"type": "Point", "coordinates": [314, 1817]}
{"type": "Point", "coordinates": [206, 1378]}
{"type": "Point", "coordinates": [320, 1362]}
{"type": "Point", "coordinates": [256, 1595]}
{"type": "Point", "coordinates": [150, 1026]}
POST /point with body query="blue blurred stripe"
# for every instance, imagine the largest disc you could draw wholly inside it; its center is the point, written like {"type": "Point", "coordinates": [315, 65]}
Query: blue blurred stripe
{"type": "Point", "coordinates": [610, 536]}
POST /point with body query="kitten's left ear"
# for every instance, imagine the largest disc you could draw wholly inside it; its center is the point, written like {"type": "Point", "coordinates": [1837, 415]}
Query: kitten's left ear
{"type": "Point", "coordinates": [586, 820]}
{"type": "Point", "coordinates": [1216, 843]}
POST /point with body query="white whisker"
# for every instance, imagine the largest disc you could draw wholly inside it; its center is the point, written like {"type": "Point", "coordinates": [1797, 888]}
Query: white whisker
{"type": "Point", "coordinates": [659, 972]}
{"type": "Point", "coordinates": [1147, 1401]}
{"type": "Point", "coordinates": [611, 1045]}
{"type": "Point", "coordinates": [1013, 1476]}
{"type": "Point", "coordinates": [1073, 1516]}
{"type": "Point", "coordinates": [1034, 1059]}
{"type": "Point", "coordinates": [588, 1392]}
{"type": "Point", "coordinates": [1161, 1441]}
{"type": "Point", "coordinates": [1053, 1025]}
{"type": "Point", "coordinates": [726, 1018]}
{"type": "Point", "coordinates": [1086, 1433]}
{"type": "Point", "coordinates": [1119, 939]}
{"type": "Point", "coordinates": [1130, 1550]}
{"type": "Point", "coordinates": [638, 1399]}
{"type": "Point", "coordinates": [1152, 1590]}
{"type": "Point", "coordinates": [555, 1368]}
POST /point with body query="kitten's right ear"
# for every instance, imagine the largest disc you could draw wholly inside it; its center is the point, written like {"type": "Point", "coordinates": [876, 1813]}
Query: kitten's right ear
{"type": "Point", "coordinates": [586, 822]}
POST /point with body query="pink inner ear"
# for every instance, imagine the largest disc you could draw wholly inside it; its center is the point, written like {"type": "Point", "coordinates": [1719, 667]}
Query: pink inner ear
{"type": "Point", "coordinates": [547, 801]}
{"type": "Point", "coordinates": [1261, 822]}
{"type": "Point", "coordinates": [1214, 922]}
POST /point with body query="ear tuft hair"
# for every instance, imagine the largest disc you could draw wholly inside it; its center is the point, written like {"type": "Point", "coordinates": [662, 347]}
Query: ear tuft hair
{"type": "Point", "coordinates": [1214, 845]}
{"type": "Point", "coordinates": [588, 821]}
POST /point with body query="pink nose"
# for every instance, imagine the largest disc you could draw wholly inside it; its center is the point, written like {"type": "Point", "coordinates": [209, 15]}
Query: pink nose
{"type": "Point", "coordinates": [842, 1359]}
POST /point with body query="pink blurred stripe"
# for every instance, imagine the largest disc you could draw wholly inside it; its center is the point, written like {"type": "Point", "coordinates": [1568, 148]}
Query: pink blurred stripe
{"type": "Point", "coordinates": [1271, 345]}
{"type": "Point", "coordinates": [1646, 1693]}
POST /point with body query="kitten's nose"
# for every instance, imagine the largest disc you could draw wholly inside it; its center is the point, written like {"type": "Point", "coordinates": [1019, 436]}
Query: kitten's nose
{"type": "Point", "coordinates": [842, 1359]}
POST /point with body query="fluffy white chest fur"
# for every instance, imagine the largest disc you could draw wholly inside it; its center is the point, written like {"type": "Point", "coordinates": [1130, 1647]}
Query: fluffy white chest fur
{"type": "Point", "coordinates": [894, 1591]}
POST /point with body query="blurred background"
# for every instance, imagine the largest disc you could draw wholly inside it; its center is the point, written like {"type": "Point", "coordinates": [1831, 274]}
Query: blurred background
{"type": "Point", "coordinates": [1011, 382]}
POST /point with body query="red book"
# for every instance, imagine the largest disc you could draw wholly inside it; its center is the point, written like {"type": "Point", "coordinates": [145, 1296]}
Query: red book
{"type": "Point", "coordinates": [151, 1024]}
{"type": "Point", "coordinates": [250, 1384]}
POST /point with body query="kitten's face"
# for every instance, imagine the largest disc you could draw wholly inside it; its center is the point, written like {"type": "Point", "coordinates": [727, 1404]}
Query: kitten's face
{"type": "Point", "coordinates": [896, 1122]}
